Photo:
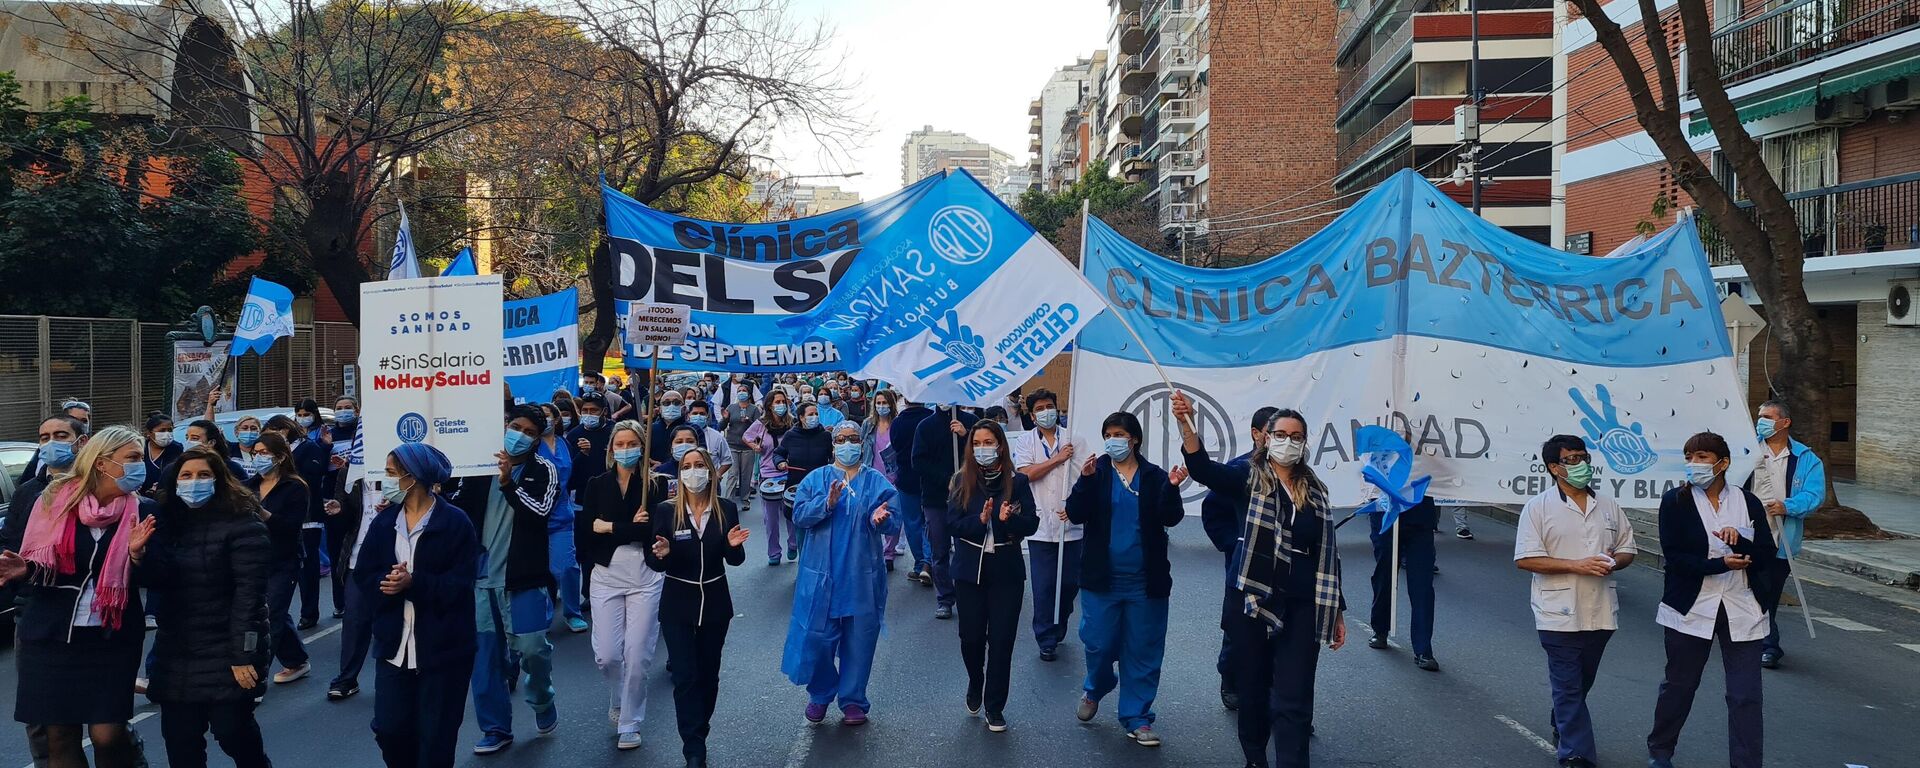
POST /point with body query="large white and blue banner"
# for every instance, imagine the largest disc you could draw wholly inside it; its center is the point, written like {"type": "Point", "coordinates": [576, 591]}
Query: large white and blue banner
{"type": "Point", "coordinates": [542, 345]}
{"type": "Point", "coordinates": [1408, 310]}
{"type": "Point", "coordinates": [938, 289]}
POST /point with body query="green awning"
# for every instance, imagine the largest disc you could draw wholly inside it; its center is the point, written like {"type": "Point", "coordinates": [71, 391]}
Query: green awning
{"type": "Point", "coordinates": [1760, 108]}
{"type": "Point", "coordinates": [1867, 78]}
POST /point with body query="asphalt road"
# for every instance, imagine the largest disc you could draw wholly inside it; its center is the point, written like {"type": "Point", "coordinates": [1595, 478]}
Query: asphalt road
{"type": "Point", "coordinates": [1851, 696]}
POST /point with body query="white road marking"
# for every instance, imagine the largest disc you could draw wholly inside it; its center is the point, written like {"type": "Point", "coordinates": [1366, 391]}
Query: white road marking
{"type": "Point", "coordinates": [1847, 624]}
{"type": "Point", "coordinates": [322, 633]}
{"type": "Point", "coordinates": [1543, 744]}
{"type": "Point", "coordinates": [1915, 647]}
{"type": "Point", "coordinates": [802, 746]}
{"type": "Point", "coordinates": [1368, 629]}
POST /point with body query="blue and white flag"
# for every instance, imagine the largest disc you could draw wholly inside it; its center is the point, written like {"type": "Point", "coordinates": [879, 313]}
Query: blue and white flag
{"type": "Point", "coordinates": [938, 288]}
{"type": "Point", "coordinates": [267, 315]}
{"type": "Point", "coordinates": [462, 264]}
{"type": "Point", "coordinates": [1409, 311]}
{"type": "Point", "coordinates": [542, 345]}
{"type": "Point", "coordinates": [404, 263]}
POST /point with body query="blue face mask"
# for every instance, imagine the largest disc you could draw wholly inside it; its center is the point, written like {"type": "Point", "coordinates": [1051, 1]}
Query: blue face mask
{"type": "Point", "coordinates": [344, 416]}
{"type": "Point", "coordinates": [305, 422]}
{"type": "Point", "coordinates": [883, 410]}
{"type": "Point", "coordinates": [134, 475]}
{"type": "Point", "coordinates": [779, 409]}
{"type": "Point", "coordinates": [517, 443]}
{"type": "Point", "coordinates": [1700, 475]}
{"type": "Point", "coordinates": [1047, 418]}
{"type": "Point", "coordinates": [986, 456]}
{"type": "Point", "coordinates": [256, 464]}
{"type": "Point", "coordinates": [813, 422]}
{"type": "Point", "coordinates": [590, 421]}
{"type": "Point", "coordinates": [190, 444]}
{"type": "Point", "coordinates": [588, 389]}
{"type": "Point", "coordinates": [196, 492]}
{"type": "Point", "coordinates": [670, 412]}
{"type": "Point", "coordinates": [394, 493]}
{"type": "Point", "coordinates": [1763, 428]}
{"type": "Point", "coordinates": [627, 457]}
{"type": "Point", "coordinates": [848, 454]}
{"type": "Point", "coordinates": [680, 450]}
{"type": "Point", "coordinates": [698, 420]}
{"type": "Point", "coordinates": [57, 454]}
{"type": "Point", "coordinates": [739, 395]}
{"type": "Point", "coordinates": [1118, 448]}
{"type": "Point", "coordinates": [249, 437]}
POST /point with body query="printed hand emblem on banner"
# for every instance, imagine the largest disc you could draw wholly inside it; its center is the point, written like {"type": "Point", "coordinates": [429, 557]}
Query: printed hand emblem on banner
{"type": "Point", "coordinates": [961, 346]}
{"type": "Point", "coordinates": [1623, 445]}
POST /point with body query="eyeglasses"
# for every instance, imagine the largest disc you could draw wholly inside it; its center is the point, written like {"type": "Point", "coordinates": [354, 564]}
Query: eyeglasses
{"type": "Point", "coordinates": [1301, 436]}
{"type": "Point", "coordinates": [1570, 459]}
{"type": "Point", "coordinates": [848, 440]}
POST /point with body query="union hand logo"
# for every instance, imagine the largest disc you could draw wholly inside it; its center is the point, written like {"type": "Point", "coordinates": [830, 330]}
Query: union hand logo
{"type": "Point", "coordinates": [1622, 444]}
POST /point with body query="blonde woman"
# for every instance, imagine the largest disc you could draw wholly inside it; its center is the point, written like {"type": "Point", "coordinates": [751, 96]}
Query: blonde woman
{"type": "Point", "coordinates": [625, 591]}
{"type": "Point", "coordinates": [696, 535]}
{"type": "Point", "coordinates": [80, 633]}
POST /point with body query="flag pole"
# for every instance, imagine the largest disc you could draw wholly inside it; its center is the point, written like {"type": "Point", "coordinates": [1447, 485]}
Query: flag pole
{"type": "Point", "coordinates": [1086, 217]}
{"type": "Point", "coordinates": [1393, 592]}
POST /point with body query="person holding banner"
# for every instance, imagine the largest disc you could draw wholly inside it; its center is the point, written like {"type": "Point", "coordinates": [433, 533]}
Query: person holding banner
{"type": "Point", "coordinates": [696, 536]}
{"type": "Point", "coordinates": [990, 509]}
{"type": "Point", "coordinates": [1221, 515]}
{"type": "Point", "coordinates": [764, 438]}
{"type": "Point", "coordinates": [840, 594]}
{"type": "Point", "coordinates": [1572, 540]}
{"type": "Point", "coordinates": [1791, 481]}
{"type": "Point", "coordinates": [1416, 531]}
{"type": "Point", "coordinates": [416, 572]}
{"type": "Point", "coordinates": [737, 417]}
{"type": "Point", "coordinates": [510, 511]}
{"type": "Point", "coordinates": [554, 447]}
{"type": "Point", "coordinates": [625, 588]}
{"type": "Point", "coordinates": [1285, 600]}
{"type": "Point", "coordinates": [310, 461]}
{"type": "Point", "coordinates": [936, 460]}
{"type": "Point", "coordinates": [1046, 455]}
{"type": "Point", "coordinates": [1723, 580]}
{"type": "Point", "coordinates": [1126, 504]}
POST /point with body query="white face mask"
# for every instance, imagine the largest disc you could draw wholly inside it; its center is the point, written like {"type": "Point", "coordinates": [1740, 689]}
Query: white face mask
{"type": "Point", "coordinates": [1287, 452]}
{"type": "Point", "coordinates": [163, 438]}
{"type": "Point", "coordinates": [695, 479]}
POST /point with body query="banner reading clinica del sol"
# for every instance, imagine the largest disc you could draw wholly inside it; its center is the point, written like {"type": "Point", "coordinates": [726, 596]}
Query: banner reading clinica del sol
{"type": "Point", "coordinates": [1408, 310]}
{"type": "Point", "coordinates": [430, 349]}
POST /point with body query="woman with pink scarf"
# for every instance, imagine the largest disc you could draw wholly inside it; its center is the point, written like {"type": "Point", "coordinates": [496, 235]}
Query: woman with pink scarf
{"type": "Point", "coordinates": [81, 630]}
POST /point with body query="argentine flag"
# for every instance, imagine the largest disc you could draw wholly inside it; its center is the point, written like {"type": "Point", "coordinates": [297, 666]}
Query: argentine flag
{"type": "Point", "coordinates": [405, 263]}
{"type": "Point", "coordinates": [267, 315]}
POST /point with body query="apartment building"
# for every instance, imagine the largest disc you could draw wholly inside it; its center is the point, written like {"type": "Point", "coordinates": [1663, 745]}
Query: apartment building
{"type": "Point", "coordinates": [1405, 71]}
{"type": "Point", "coordinates": [1055, 119]}
{"type": "Point", "coordinates": [1829, 89]}
{"type": "Point", "coordinates": [1222, 109]}
{"type": "Point", "coordinates": [927, 152]}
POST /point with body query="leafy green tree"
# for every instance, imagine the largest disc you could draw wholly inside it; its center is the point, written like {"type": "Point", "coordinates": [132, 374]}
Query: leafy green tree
{"type": "Point", "coordinates": [1056, 215]}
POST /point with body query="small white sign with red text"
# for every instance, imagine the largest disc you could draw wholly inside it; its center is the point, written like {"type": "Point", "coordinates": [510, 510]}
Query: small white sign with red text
{"type": "Point", "coordinates": [430, 353]}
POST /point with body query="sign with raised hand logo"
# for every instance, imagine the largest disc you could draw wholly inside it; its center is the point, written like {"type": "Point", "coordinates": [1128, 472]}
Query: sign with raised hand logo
{"type": "Point", "coordinates": [1623, 444]}
{"type": "Point", "coordinates": [959, 343]}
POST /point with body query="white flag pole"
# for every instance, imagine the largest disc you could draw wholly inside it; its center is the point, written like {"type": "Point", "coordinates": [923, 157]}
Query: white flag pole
{"type": "Point", "coordinates": [1085, 219]}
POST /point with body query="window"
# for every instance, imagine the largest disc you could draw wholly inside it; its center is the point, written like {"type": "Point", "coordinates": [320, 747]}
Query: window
{"type": "Point", "coordinates": [1441, 78]}
{"type": "Point", "coordinates": [1803, 161]}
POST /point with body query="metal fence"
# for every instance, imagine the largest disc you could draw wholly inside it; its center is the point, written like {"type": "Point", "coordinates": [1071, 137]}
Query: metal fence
{"type": "Point", "coordinates": [123, 368]}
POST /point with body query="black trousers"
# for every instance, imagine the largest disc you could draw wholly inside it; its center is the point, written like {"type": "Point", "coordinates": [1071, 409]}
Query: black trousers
{"type": "Point", "coordinates": [1686, 658]}
{"type": "Point", "coordinates": [417, 713]}
{"type": "Point", "coordinates": [989, 623]}
{"type": "Point", "coordinates": [185, 727]}
{"type": "Point", "coordinates": [356, 634]}
{"type": "Point", "coordinates": [310, 542]}
{"type": "Point", "coordinates": [339, 550]}
{"type": "Point", "coordinates": [693, 661]}
{"type": "Point", "coordinates": [1274, 678]}
{"type": "Point", "coordinates": [1416, 548]}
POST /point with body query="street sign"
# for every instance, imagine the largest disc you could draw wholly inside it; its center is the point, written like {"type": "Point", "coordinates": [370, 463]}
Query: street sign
{"type": "Point", "coordinates": [657, 324]}
{"type": "Point", "coordinates": [347, 383]}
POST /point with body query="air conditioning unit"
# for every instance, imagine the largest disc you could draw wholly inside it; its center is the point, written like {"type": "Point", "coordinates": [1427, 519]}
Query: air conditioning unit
{"type": "Point", "coordinates": [1843, 109]}
{"type": "Point", "coordinates": [1902, 95]}
{"type": "Point", "coordinates": [1900, 309]}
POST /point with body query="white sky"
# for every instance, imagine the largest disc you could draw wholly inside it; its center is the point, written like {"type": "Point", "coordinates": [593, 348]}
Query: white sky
{"type": "Point", "coordinates": [959, 66]}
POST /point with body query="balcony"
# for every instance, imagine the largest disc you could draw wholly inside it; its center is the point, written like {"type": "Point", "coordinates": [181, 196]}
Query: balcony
{"type": "Point", "coordinates": [1136, 73]}
{"type": "Point", "coordinates": [1173, 22]}
{"type": "Point", "coordinates": [1176, 113]}
{"type": "Point", "coordinates": [1035, 107]}
{"type": "Point", "coordinates": [1179, 214]}
{"type": "Point", "coordinates": [1178, 59]}
{"type": "Point", "coordinates": [1130, 112]}
{"type": "Point", "coordinates": [1135, 166]}
{"type": "Point", "coordinates": [1033, 143]}
{"type": "Point", "coordinates": [1184, 162]}
{"type": "Point", "coordinates": [1861, 217]}
{"type": "Point", "coordinates": [1133, 33]}
{"type": "Point", "coordinates": [1803, 30]}
{"type": "Point", "coordinates": [1391, 51]}
{"type": "Point", "coordinates": [1349, 147]}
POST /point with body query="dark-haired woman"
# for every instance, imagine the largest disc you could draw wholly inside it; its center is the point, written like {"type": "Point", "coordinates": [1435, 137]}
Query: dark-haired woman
{"type": "Point", "coordinates": [805, 448]}
{"type": "Point", "coordinates": [562, 561]}
{"type": "Point", "coordinates": [990, 509]}
{"type": "Point", "coordinates": [1283, 600]}
{"type": "Point", "coordinates": [283, 499]}
{"type": "Point", "coordinates": [1724, 578]}
{"type": "Point", "coordinates": [1127, 504]}
{"type": "Point", "coordinates": [210, 656]}
{"type": "Point", "coordinates": [696, 535]}
{"type": "Point", "coordinates": [763, 437]}
{"type": "Point", "coordinates": [161, 449]}
{"type": "Point", "coordinates": [206, 434]}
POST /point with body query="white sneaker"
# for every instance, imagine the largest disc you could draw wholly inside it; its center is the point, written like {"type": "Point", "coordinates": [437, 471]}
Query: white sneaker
{"type": "Point", "coordinates": [627, 741]}
{"type": "Point", "coordinates": [291, 674]}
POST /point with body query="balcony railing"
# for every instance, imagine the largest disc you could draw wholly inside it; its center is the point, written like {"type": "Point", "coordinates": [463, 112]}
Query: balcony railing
{"type": "Point", "coordinates": [1135, 73]}
{"type": "Point", "coordinates": [1861, 217]}
{"type": "Point", "coordinates": [1178, 57]}
{"type": "Point", "coordinates": [1804, 30]}
{"type": "Point", "coordinates": [1388, 52]}
{"type": "Point", "coordinates": [1178, 111]}
{"type": "Point", "coordinates": [1350, 147]}
{"type": "Point", "coordinates": [1133, 33]}
{"type": "Point", "coordinates": [1180, 213]}
{"type": "Point", "coordinates": [1181, 162]}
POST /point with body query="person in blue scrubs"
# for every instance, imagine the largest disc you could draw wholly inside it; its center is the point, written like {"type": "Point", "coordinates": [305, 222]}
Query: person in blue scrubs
{"type": "Point", "coordinates": [1127, 504]}
{"type": "Point", "coordinates": [840, 596]}
{"type": "Point", "coordinates": [562, 560]}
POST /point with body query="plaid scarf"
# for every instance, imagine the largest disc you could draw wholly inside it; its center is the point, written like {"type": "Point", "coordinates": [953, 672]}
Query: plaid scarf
{"type": "Point", "coordinates": [1269, 546]}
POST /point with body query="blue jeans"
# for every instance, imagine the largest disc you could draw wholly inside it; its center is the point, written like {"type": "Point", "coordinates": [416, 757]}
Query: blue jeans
{"type": "Point", "coordinates": [286, 645]}
{"type": "Point", "coordinates": [1128, 631]}
{"type": "Point", "coordinates": [913, 525]}
{"type": "Point", "coordinates": [516, 623]}
{"type": "Point", "coordinates": [1573, 662]}
{"type": "Point", "coordinates": [565, 567]}
{"type": "Point", "coordinates": [1052, 559]}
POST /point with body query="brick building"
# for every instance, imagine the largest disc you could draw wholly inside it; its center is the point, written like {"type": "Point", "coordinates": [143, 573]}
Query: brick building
{"type": "Point", "coordinates": [1827, 88]}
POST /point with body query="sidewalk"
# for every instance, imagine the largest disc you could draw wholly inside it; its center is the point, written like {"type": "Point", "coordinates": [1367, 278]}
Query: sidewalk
{"type": "Point", "coordinates": [1895, 562]}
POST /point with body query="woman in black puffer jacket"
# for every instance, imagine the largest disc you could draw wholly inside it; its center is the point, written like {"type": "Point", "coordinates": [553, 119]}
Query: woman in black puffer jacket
{"type": "Point", "coordinates": [210, 559]}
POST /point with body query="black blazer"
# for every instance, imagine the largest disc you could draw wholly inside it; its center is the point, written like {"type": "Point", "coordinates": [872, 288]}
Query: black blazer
{"type": "Point", "coordinates": [604, 499]}
{"type": "Point", "coordinates": [446, 562]}
{"type": "Point", "coordinates": [1683, 541]}
{"type": "Point", "coordinates": [1091, 504]}
{"type": "Point", "coordinates": [286, 507]}
{"type": "Point", "coordinates": [970, 561]}
{"type": "Point", "coordinates": [696, 566]}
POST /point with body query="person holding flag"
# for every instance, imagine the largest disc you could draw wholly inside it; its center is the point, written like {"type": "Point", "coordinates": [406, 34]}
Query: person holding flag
{"type": "Point", "coordinates": [1047, 456]}
{"type": "Point", "coordinates": [840, 594]}
{"type": "Point", "coordinates": [1414, 526]}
